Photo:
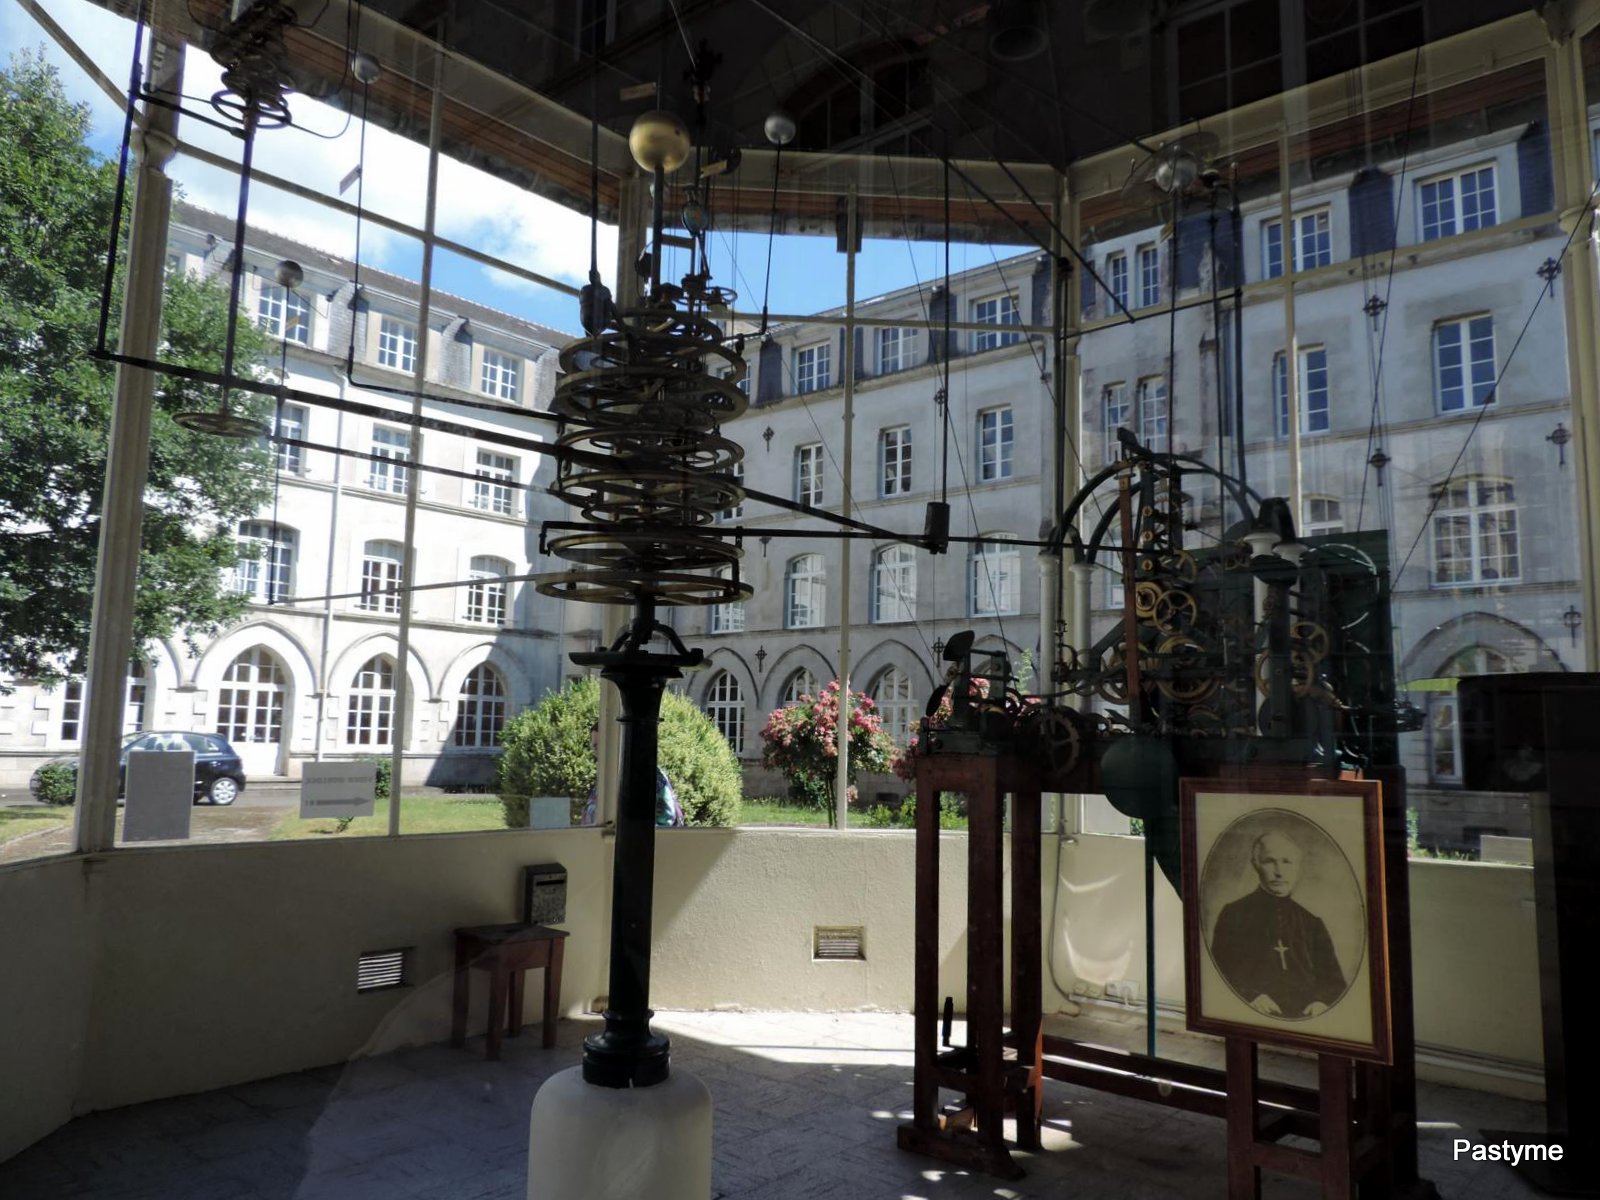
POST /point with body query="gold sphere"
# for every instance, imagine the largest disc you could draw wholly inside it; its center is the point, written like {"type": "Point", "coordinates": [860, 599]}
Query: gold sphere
{"type": "Point", "coordinates": [659, 139]}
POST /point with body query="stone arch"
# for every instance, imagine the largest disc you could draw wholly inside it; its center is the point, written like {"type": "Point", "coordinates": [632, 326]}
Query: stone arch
{"type": "Point", "coordinates": [423, 703]}
{"type": "Point", "coordinates": [786, 664]}
{"type": "Point", "coordinates": [893, 652]}
{"type": "Point", "coordinates": [486, 651]}
{"type": "Point", "coordinates": [1521, 646]}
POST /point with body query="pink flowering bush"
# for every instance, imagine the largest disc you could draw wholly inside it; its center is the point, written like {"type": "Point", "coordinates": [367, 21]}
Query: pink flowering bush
{"type": "Point", "coordinates": [801, 740]}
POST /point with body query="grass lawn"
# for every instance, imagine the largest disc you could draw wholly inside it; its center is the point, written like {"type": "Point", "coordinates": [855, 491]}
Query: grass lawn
{"type": "Point", "coordinates": [32, 818]}
{"type": "Point", "coordinates": [766, 811]}
{"type": "Point", "coordinates": [418, 814]}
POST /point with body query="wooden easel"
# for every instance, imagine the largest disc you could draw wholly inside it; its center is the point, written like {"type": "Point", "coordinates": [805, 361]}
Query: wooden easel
{"type": "Point", "coordinates": [1355, 1150]}
{"type": "Point", "coordinates": [998, 1070]}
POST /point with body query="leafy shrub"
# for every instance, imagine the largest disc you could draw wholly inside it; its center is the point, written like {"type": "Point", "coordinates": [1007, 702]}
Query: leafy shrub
{"type": "Point", "coordinates": [547, 753]}
{"type": "Point", "coordinates": [385, 767]}
{"type": "Point", "coordinates": [58, 784]}
{"type": "Point", "coordinates": [801, 741]}
{"type": "Point", "coordinates": [904, 816]}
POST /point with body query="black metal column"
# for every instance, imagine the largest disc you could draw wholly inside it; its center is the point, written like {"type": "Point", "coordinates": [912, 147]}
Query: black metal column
{"type": "Point", "coordinates": [627, 1053]}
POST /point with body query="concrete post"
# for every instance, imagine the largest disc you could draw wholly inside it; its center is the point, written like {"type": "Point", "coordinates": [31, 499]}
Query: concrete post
{"type": "Point", "coordinates": [155, 141]}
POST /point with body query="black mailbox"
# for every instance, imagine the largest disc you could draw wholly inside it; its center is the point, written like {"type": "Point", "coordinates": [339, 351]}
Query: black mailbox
{"type": "Point", "coordinates": [544, 894]}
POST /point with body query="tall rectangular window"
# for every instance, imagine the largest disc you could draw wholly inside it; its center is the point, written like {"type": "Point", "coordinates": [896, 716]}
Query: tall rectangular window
{"type": "Point", "coordinates": [382, 577]}
{"type": "Point", "coordinates": [1313, 386]}
{"type": "Point", "coordinates": [808, 474]}
{"type": "Point", "coordinates": [1152, 397]}
{"type": "Point", "coordinates": [1475, 537]}
{"type": "Point", "coordinates": [996, 577]}
{"type": "Point", "coordinates": [494, 488]}
{"type": "Point", "coordinates": [391, 449]}
{"type": "Point", "coordinates": [995, 310]}
{"type": "Point", "coordinates": [895, 349]}
{"type": "Point", "coordinates": [500, 375]}
{"type": "Point", "coordinates": [1463, 363]}
{"type": "Point", "coordinates": [894, 460]}
{"type": "Point", "coordinates": [1310, 246]}
{"type": "Point", "coordinates": [1114, 400]}
{"type": "Point", "coordinates": [284, 314]}
{"type": "Point", "coordinates": [811, 369]}
{"type": "Point", "coordinates": [1456, 203]}
{"type": "Point", "coordinates": [994, 444]}
{"type": "Point", "coordinates": [736, 512]}
{"type": "Point", "coordinates": [290, 422]}
{"type": "Point", "coordinates": [1149, 275]}
{"type": "Point", "coordinates": [729, 617]}
{"type": "Point", "coordinates": [486, 593]}
{"type": "Point", "coordinates": [397, 344]}
{"type": "Point", "coordinates": [1116, 276]}
{"type": "Point", "coordinates": [71, 710]}
{"type": "Point", "coordinates": [266, 561]}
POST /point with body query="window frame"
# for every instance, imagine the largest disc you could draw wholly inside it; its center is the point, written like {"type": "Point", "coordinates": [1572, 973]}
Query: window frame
{"type": "Point", "coordinates": [808, 460]}
{"type": "Point", "coordinates": [813, 368]}
{"type": "Point", "coordinates": [1116, 390]}
{"type": "Point", "coordinates": [370, 706]}
{"type": "Point", "coordinates": [494, 483]}
{"type": "Point", "coordinates": [488, 592]}
{"type": "Point", "coordinates": [1457, 222]}
{"type": "Point", "coordinates": [493, 370]}
{"type": "Point", "coordinates": [995, 556]}
{"type": "Point", "coordinates": [267, 578]}
{"type": "Point", "coordinates": [388, 471]}
{"type": "Point", "coordinates": [809, 570]}
{"type": "Point", "coordinates": [894, 461]}
{"type": "Point", "coordinates": [397, 344]}
{"type": "Point", "coordinates": [902, 595]}
{"type": "Point", "coordinates": [276, 305]}
{"type": "Point", "coordinates": [1116, 276]}
{"type": "Point", "coordinates": [898, 710]}
{"type": "Point", "coordinates": [1148, 278]}
{"type": "Point", "coordinates": [1477, 513]}
{"type": "Point", "coordinates": [729, 616]}
{"type": "Point", "coordinates": [1314, 418]}
{"type": "Point", "coordinates": [1007, 312]}
{"type": "Point", "coordinates": [290, 420]}
{"type": "Point", "coordinates": [726, 710]}
{"type": "Point", "coordinates": [480, 712]}
{"type": "Point", "coordinates": [996, 453]}
{"type": "Point", "coordinates": [1469, 365]}
{"type": "Point", "coordinates": [1321, 233]}
{"type": "Point", "coordinates": [1150, 403]}
{"type": "Point", "coordinates": [904, 339]}
{"type": "Point", "coordinates": [381, 570]}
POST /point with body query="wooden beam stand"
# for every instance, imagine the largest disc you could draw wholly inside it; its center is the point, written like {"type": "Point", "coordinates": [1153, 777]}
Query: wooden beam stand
{"type": "Point", "coordinates": [998, 1070]}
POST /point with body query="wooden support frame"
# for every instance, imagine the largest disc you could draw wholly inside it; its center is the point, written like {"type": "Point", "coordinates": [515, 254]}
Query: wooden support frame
{"type": "Point", "coordinates": [999, 1069]}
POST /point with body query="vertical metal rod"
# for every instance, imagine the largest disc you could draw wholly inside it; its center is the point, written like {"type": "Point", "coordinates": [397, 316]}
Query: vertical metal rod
{"type": "Point", "coordinates": [408, 566]}
{"type": "Point", "coordinates": [252, 116]}
{"type": "Point", "coordinates": [127, 465]}
{"type": "Point", "coordinates": [1291, 341]}
{"type": "Point", "coordinates": [846, 508]}
{"type": "Point", "coordinates": [325, 650]}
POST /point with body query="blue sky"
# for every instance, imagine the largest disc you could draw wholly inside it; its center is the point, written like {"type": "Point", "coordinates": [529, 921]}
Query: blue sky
{"type": "Point", "coordinates": [475, 209]}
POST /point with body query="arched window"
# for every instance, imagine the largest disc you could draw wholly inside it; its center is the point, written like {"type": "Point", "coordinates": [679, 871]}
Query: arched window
{"type": "Point", "coordinates": [250, 700]}
{"type": "Point", "coordinates": [382, 577]}
{"type": "Point", "coordinates": [369, 715]}
{"type": "Point", "coordinates": [1444, 727]}
{"type": "Point", "coordinates": [892, 692]}
{"type": "Point", "coordinates": [805, 592]}
{"type": "Point", "coordinates": [486, 594]}
{"type": "Point", "coordinates": [894, 585]}
{"type": "Point", "coordinates": [265, 570]}
{"type": "Point", "coordinates": [802, 683]}
{"type": "Point", "coordinates": [725, 707]}
{"type": "Point", "coordinates": [996, 576]}
{"type": "Point", "coordinates": [481, 708]}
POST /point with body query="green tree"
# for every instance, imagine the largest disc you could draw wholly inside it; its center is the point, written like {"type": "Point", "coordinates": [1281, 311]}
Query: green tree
{"type": "Point", "coordinates": [56, 202]}
{"type": "Point", "coordinates": [547, 753]}
{"type": "Point", "coordinates": [801, 740]}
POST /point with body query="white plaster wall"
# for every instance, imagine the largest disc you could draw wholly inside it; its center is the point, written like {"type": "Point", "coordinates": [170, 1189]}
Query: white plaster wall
{"type": "Point", "coordinates": [735, 910]}
{"type": "Point", "coordinates": [46, 952]}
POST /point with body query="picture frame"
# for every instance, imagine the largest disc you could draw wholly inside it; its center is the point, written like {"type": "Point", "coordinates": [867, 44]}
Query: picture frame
{"type": "Point", "coordinates": [1284, 913]}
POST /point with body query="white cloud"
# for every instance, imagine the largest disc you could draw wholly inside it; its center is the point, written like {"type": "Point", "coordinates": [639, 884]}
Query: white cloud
{"type": "Point", "coordinates": [474, 208]}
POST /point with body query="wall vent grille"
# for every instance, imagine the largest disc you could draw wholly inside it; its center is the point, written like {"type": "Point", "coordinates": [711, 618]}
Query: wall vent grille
{"type": "Point", "coordinates": [379, 969]}
{"type": "Point", "coordinates": [835, 943]}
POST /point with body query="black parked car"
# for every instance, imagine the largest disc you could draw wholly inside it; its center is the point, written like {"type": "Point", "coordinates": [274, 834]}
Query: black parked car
{"type": "Point", "coordinates": [218, 772]}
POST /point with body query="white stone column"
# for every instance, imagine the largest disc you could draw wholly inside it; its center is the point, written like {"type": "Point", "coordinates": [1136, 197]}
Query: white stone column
{"type": "Point", "coordinates": [155, 141]}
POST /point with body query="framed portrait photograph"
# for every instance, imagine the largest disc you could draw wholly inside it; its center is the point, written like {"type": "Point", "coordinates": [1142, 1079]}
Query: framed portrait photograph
{"type": "Point", "coordinates": [1285, 936]}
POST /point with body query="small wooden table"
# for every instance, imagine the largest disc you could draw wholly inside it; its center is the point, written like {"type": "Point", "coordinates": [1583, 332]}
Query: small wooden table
{"type": "Point", "coordinates": [506, 951]}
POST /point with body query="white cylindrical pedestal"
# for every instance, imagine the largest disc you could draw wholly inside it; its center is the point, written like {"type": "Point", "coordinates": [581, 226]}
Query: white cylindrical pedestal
{"type": "Point", "coordinates": [598, 1143]}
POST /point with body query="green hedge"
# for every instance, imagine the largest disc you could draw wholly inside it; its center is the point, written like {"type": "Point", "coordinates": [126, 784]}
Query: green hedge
{"type": "Point", "coordinates": [547, 753]}
{"type": "Point", "coordinates": [58, 784]}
